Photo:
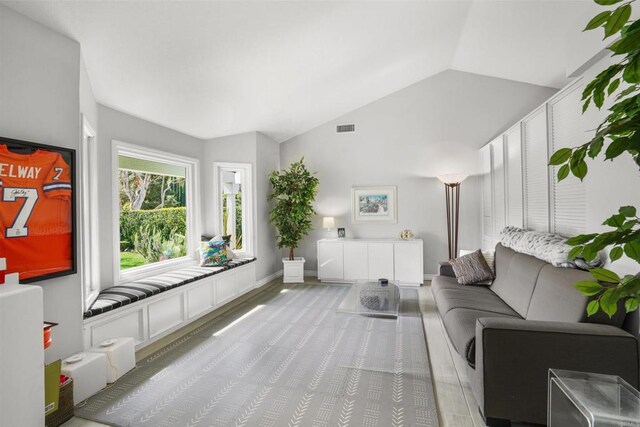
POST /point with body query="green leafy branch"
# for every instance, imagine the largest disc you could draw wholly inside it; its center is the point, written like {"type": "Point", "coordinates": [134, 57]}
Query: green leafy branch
{"type": "Point", "coordinates": [620, 133]}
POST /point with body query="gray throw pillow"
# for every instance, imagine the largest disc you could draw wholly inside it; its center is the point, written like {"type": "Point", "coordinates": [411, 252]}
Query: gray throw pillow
{"type": "Point", "coordinates": [472, 269]}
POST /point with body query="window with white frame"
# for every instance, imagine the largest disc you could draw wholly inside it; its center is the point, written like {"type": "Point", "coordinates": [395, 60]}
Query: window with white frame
{"type": "Point", "coordinates": [89, 204]}
{"type": "Point", "coordinates": [155, 210]}
{"type": "Point", "coordinates": [234, 207]}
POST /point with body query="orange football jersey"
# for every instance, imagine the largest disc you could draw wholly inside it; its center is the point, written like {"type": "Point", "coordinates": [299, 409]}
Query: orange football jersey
{"type": "Point", "coordinates": [35, 213]}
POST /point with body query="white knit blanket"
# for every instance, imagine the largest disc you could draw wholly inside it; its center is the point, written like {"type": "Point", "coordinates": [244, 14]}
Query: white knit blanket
{"type": "Point", "coordinates": [545, 246]}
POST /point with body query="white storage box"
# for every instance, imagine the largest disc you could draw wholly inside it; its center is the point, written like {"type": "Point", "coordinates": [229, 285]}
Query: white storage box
{"type": "Point", "coordinates": [120, 354]}
{"type": "Point", "coordinates": [89, 373]}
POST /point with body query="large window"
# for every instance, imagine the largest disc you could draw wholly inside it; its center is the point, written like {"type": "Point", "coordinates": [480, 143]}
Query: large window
{"type": "Point", "coordinates": [157, 217]}
{"type": "Point", "coordinates": [234, 204]}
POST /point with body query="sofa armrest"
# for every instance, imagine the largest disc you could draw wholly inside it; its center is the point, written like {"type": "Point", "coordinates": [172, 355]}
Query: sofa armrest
{"type": "Point", "coordinates": [513, 358]}
{"type": "Point", "coordinates": [445, 269]}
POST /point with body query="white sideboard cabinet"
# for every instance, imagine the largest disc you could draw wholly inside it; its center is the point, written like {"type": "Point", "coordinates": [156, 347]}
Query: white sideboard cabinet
{"type": "Point", "coordinates": [348, 260]}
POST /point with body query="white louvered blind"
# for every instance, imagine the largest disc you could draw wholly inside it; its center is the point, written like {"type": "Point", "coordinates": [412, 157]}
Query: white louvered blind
{"type": "Point", "coordinates": [487, 197]}
{"type": "Point", "coordinates": [513, 156]}
{"type": "Point", "coordinates": [568, 198]}
{"type": "Point", "coordinates": [536, 188]}
{"type": "Point", "coordinates": [499, 202]}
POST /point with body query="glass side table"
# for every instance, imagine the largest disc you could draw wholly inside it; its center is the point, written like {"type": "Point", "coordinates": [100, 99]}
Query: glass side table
{"type": "Point", "coordinates": [372, 299]}
{"type": "Point", "coordinates": [591, 400]}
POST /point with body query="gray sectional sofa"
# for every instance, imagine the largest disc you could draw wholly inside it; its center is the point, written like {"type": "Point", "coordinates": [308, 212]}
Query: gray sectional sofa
{"type": "Point", "coordinates": [529, 320]}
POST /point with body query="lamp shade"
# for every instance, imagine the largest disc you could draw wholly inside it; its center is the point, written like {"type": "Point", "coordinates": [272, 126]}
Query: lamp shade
{"type": "Point", "coordinates": [452, 178]}
{"type": "Point", "coordinates": [328, 222]}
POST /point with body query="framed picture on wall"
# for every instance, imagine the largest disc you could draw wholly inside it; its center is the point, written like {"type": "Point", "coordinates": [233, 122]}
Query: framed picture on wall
{"type": "Point", "coordinates": [374, 204]}
{"type": "Point", "coordinates": [37, 209]}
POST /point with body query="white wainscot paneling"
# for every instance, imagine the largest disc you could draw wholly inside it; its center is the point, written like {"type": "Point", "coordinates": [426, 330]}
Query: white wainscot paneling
{"type": "Point", "coordinates": [226, 288]}
{"type": "Point", "coordinates": [129, 323]}
{"type": "Point", "coordinates": [356, 261]}
{"type": "Point", "coordinates": [165, 314]}
{"type": "Point", "coordinates": [152, 318]}
{"type": "Point", "coordinates": [201, 298]}
{"type": "Point", "coordinates": [245, 280]}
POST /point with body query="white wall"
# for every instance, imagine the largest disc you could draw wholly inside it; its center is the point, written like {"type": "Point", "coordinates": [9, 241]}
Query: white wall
{"type": "Point", "coordinates": [263, 154]}
{"type": "Point", "coordinates": [88, 104]}
{"type": "Point", "coordinates": [115, 125]}
{"type": "Point", "coordinates": [39, 102]}
{"type": "Point", "coordinates": [267, 159]}
{"type": "Point", "coordinates": [406, 139]}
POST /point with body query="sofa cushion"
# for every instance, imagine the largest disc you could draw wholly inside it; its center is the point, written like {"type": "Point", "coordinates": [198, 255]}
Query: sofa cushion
{"type": "Point", "coordinates": [439, 283]}
{"type": "Point", "coordinates": [449, 299]}
{"type": "Point", "coordinates": [460, 324]}
{"type": "Point", "coordinates": [516, 276]}
{"type": "Point", "coordinates": [556, 299]}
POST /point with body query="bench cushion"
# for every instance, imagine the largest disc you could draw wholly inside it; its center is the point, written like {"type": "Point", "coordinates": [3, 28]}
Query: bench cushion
{"type": "Point", "coordinates": [119, 296]}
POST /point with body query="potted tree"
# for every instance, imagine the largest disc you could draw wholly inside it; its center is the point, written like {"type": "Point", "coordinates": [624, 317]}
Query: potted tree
{"type": "Point", "coordinates": [294, 191]}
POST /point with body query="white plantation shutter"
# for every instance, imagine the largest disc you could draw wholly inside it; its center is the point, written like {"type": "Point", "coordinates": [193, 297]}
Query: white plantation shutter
{"type": "Point", "coordinates": [568, 198]}
{"type": "Point", "coordinates": [513, 156]}
{"type": "Point", "coordinates": [499, 202]}
{"type": "Point", "coordinates": [487, 197]}
{"type": "Point", "coordinates": [536, 174]}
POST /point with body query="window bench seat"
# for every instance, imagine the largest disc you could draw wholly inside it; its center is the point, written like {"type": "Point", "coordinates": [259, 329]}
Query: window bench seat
{"type": "Point", "coordinates": [150, 308]}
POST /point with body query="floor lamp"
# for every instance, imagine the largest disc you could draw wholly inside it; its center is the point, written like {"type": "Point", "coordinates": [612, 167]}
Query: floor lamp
{"type": "Point", "coordinates": [452, 194]}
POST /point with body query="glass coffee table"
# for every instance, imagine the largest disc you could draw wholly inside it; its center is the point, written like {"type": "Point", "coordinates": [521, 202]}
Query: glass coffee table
{"type": "Point", "coordinates": [372, 299]}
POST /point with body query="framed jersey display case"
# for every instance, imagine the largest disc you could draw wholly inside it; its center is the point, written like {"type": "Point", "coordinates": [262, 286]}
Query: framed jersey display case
{"type": "Point", "coordinates": [37, 209]}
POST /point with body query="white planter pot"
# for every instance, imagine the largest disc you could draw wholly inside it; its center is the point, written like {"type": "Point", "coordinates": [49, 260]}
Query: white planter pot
{"type": "Point", "coordinates": [293, 270]}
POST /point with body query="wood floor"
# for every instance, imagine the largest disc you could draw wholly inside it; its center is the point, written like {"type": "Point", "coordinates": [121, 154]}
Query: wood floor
{"type": "Point", "coordinates": [456, 405]}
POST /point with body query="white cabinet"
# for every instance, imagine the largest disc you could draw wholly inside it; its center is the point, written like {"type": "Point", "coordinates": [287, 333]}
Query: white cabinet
{"type": "Point", "coordinates": [330, 260]}
{"type": "Point", "coordinates": [404, 259]}
{"type": "Point", "coordinates": [348, 260]}
{"type": "Point", "coordinates": [380, 261]}
{"type": "Point", "coordinates": [356, 260]}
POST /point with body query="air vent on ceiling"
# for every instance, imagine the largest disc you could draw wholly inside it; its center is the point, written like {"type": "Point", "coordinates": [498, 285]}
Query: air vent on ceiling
{"type": "Point", "coordinates": [345, 128]}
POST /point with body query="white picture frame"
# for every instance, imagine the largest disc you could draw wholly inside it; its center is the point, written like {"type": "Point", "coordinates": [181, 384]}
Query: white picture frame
{"type": "Point", "coordinates": [374, 204]}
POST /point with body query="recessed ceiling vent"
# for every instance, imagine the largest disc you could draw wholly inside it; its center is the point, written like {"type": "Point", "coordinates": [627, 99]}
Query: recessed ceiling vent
{"type": "Point", "coordinates": [345, 128]}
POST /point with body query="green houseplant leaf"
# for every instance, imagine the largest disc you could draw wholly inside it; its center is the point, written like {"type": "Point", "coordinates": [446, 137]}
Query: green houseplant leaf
{"type": "Point", "coordinates": [605, 275]}
{"type": "Point", "coordinates": [589, 288]}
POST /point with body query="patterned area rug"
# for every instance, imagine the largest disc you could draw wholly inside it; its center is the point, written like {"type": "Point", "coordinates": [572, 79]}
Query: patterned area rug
{"type": "Point", "coordinates": [290, 361]}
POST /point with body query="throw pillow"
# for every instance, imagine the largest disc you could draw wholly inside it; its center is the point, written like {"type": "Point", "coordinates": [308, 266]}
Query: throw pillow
{"type": "Point", "coordinates": [472, 269]}
{"type": "Point", "coordinates": [490, 257]}
{"type": "Point", "coordinates": [213, 253]}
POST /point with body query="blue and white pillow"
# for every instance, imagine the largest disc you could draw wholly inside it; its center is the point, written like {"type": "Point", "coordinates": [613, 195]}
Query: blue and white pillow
{"type": "Point", "coordinates": [214, 253]}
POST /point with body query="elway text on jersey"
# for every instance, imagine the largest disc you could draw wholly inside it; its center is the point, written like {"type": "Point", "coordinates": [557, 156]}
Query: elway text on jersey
{"type": "Point", "coordinates": [10, 170]}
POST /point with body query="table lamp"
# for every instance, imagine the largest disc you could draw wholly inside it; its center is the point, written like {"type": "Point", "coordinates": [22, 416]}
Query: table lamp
{"type": "Point", "coordinates": [328, 222]}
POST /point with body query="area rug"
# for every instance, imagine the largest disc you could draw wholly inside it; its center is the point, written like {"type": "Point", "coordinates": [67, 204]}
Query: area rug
{"type": "Point", "coordinates": [286, 360]}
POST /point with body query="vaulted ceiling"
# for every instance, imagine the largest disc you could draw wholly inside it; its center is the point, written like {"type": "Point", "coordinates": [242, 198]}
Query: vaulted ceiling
{"type": "Point", "coordinates": [214, 68]}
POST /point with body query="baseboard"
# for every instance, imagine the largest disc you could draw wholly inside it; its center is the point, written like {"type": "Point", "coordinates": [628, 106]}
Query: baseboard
{"type": "Point", "coordinates": [311, 273]}
{"type": "Point", "coordinates": [268, 279]}
{"type": "Point", "coordinates": [429, 276]}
